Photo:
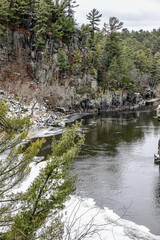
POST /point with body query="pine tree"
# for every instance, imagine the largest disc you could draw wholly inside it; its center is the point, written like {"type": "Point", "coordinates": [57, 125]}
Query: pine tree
{"type": "Point", "coordinates": [4, 16]}
{"type": "Point", "coordinates": [112, 46]}
{"type": "Point", "coordinates": [23, 213]}
{"type": "Point", "coordinates": [71, 5]}
{"type": "Point", "coordinates": [50, 189]}
{"type": "Point", "coordinates": [63, 23]}
{"type": "Point", "coordinates": [85, 35]}
{"type": "Point", "coordinates": [76, 66]}
{"type": "Point", "coordinates": [14, 163]}
{"type": "Point", "coordinates": [62, 63]}
{"type": "Point", "coordinates": [19, 12]}
{"type": "Point", "coordinates": [42, 16]}
{"type": "Point", "coordinates": [94, 19]}
{"type": "Point", "coordinates": [114, 24]}
{"type": "Point", "coordinates": [117, 61]}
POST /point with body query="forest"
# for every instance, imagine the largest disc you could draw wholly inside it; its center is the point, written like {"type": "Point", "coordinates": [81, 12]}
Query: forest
{"type": "Point", "coordinates": [120, 59]}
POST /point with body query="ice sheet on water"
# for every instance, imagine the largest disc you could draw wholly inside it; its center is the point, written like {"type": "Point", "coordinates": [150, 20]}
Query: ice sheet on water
{"type": "Point", "coordinates": [82, 216]}
{"type": "Point", "coordinates": [45, 132]}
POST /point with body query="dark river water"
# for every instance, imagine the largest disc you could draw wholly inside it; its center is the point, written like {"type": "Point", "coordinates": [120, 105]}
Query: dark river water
{"type": "Point", "coordinates": [116, 165]}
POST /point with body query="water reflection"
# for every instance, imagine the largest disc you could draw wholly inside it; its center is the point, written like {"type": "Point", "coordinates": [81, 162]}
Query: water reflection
{"type": "Point", "coordinates": [116, 166]}
{"type": "Point", "coordinates": [109, 130]}
{"type": "Point", "coordinates": [156, 195]}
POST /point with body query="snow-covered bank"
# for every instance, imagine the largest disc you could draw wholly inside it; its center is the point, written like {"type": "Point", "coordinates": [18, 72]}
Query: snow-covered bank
{"type": "Point", "coordinates": [82, 217]}
{"type": "Point", "coordinates": [44, 122]}
{"type": "Point", "coordinates": [55, 130]}
{"type": "Point", "coordinates": [103, 222]}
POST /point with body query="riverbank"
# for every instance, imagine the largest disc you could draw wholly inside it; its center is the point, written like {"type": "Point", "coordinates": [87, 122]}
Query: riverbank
{"type": "Point", "coordinates": [111, 225]}
{"type": "Point", "coordinates": [50, 122]}
{"type": "Point", "coordinates": [47, 123]}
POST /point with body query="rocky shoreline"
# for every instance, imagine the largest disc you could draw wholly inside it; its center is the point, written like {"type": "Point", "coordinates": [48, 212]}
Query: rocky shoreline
{"type": "Point", "coordinates": [41, 117]}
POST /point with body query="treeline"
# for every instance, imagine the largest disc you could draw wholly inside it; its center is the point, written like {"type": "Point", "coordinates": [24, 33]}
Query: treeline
{"type": "Point", "coordinates": [120, 59]}
{"type": "Point", "coordinates": [43, 18]}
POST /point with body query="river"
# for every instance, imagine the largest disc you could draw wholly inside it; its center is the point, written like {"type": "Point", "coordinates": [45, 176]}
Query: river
{"type": "Point", "coordinates": [116, 165]}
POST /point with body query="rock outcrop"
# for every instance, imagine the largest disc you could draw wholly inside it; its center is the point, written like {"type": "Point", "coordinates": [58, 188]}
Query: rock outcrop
{"type": "Point", "coordinates": [20, 63]}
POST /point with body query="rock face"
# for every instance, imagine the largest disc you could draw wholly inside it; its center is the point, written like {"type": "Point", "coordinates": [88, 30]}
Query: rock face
{"type": "Point", "coordinates": [21, 63]}
{"type": "Point", "coordinates": [20, 60]}
{"type": "Point", "coordinates": [117, 100]}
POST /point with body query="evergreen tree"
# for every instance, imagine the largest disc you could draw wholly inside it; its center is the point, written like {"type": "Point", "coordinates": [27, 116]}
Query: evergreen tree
{"type": "Point", "coordinates": [141, 61]}
{"type": "Point", "coordinates": [42, 16]}
{"type": "Point", "coordinates": [112, 49]}
{"type": "Point", "coordinates": [94, 19]}
{"type": "Point", "coordinates": [23, 213]}
{"type": "Point", "coordinates": [85, 35]}
{"type": "Point", "coordinates": [156, 69]}
{"type": "Point", "coordinates": [76, 67]}
{"type": "Point", "coordinates": [63, 23]}
{"type": "Point", "coordinates": [69, 29]}
{"type": "Point", "coordinates": [116, 66]}
{"type": "Point", "coordinates": [19, 11]}
{"type": "Point", "coordinates": [62, 63]}
{"type": "Point", "coordinates": [14, 163]}
{"type": "Point", "coordinates": [4, 16]}
{"type": "Point", "coordinates": [114, 24]}
{"type": "Point", "coordinates": [71, 5]}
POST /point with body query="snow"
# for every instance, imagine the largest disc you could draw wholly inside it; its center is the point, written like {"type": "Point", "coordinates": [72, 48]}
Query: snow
{"type": "Point", "coordinates": [45, 132]}
{"type": "Point", "coordinates": [82, 216]}
{"type": "Point", "coordinates": [35, 169]}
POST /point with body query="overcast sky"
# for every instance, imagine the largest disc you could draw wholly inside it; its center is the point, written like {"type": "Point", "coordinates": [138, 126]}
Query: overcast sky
{"type": "Point", "coordinates": [135, 14]}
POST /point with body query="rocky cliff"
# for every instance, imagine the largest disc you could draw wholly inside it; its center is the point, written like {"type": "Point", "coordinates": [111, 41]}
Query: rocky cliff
{"type": "Point", "coordinates": [21, 64]}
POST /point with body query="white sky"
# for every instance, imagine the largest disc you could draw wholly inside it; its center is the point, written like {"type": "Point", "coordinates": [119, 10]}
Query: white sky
{"type": "Point", "coordinates": [135, 14]}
